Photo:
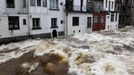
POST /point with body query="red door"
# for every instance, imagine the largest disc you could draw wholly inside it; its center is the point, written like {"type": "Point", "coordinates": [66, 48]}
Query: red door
{"type": "Point", "coordinates": [99, 21]}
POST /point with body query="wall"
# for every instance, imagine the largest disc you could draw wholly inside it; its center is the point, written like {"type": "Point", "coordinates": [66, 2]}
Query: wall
{"type": "Point", "coordinates": [82, 23]}
{"type": "Point", "coordinates": [4, 29]}
{"type": "Point", "coordinates": [98, 6]}
{"type": "Point", "coordinates": [45, 14]}
{"type": "Point", "coordinates": [2, 6]}
{"type": "Point", "coordinates": [18, 8]}
{"type": "Point", "coordinates": [111, 25]}
{"type": "Point", "coordinates": [106, 7]}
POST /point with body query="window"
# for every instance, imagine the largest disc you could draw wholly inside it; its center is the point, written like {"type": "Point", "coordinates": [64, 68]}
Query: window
{"type": "Point", "coordinates": [10, 3]}
{"type": "Point", "coordinates": [88, 22]}
{"type": "Point", "coordinates": [96, 19]}
{"type": "Point", "coordinates": [54, 4]}
{"type": "Point", "coordinates": [54, 23]}
{"type": "Point", "coordinates": [24, 22]}
{"type": "Point", "coordinates": [44, 3]}
{"type": "Point", "coordinates": [38, 2]}
{"type": "Point", "coordinates": [75, 21]}
{"type": "Point", "coordinates": [116, 17]}
{"type": "Point", "coordinates": [24, 3]}
{"type": "Point", "coordinates": [106, 3]}
{"type": "Point", "coordinates": [32, 2]}
{"type": "Point", "coordinates": [36, 23]}
{"type": "Point", "coordinates": [13, 22]}
{"type": "Point", "coordinates": [109, 4]}
{"type": "Point", "coordinates": [102, 19]}
{"type": "Point", "coordinates": [112, 17]}
{"type": "Point", "coordinates": [112, 4]}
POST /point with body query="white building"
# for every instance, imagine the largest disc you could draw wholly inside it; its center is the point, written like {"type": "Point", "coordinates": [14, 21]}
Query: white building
{"type": "Point", "coordinates": [52, 18]}
{"type": "Point", "coordinates": [21, 18]}
{"type": "Point", "coordinates": [78, 16]}
{"type": "Point", "coordinates": [13, 19]}
{"type": "Point", "coordinates": [46, 17]}
{"type": "Point", "coordinates": [112, 17]}
{"type": "Point", "coordinates": [90, 15]}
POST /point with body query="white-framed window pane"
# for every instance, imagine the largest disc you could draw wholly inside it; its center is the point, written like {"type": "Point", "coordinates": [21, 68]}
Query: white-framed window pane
{"type": "Point", "coordinates": [24, 3]}
{"type": "Point", "coordinates": [44, 3]}
{"type": "Point", "coordinates": [38, 2]}
{"type": "Point", "coordinates": [32, 2]}
{"type": "Point", "coordinates": [54, 4]}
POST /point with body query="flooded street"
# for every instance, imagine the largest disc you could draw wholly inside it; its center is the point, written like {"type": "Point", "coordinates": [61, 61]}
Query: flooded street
{"type": "Point", "coordinates": [97, 53]}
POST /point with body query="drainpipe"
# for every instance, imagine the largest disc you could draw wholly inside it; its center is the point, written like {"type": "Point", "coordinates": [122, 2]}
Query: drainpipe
{"type": "Point", "coordinates": [66, 26]}
{"type": "Point", "coordinates": [66, 20]}
{"type": "Point", "coordinates": [29, 32]}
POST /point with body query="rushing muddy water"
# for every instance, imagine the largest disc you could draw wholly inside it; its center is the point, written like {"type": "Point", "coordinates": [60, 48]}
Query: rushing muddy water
{"type": "Point", "coordinates": [98, 53]}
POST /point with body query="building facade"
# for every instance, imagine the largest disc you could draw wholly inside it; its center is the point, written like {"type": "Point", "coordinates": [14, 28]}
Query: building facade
{"type": "Point", "coordinates": [91, 15]}
{"type": "Point", "coordinates": [24, 18]}
{"type": "Point", "coordinates": [132, 12]}
{"type": "Point", "coordinates": [52, 18]}
{"type": "Point", "coordinates": [126, 10]}
{"type": "Point", "coordinates": [78, 16]}
{"type": "Point", "coordinates": [12, 18]}
{"type": "Point", "coordinates": [112, 17]}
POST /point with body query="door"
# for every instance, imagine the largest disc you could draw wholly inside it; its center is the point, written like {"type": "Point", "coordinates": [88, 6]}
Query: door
{"type": "Point", "coordinates": [98, 21]}
{"type": "Point", "coordinates": [54, 33]}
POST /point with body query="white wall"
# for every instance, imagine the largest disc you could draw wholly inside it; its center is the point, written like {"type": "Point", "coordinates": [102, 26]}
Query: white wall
{"type": "Point", "coordinates": [45, 15]}
{"type": "Point", "coordinates": [18, 8]}
{"type": "Point", "coordinates": [2, 6]}
{"type": "Point", "coordinates": [38, 9]}
{"type": "Point", "coordinates": [112, 25]}
{"type": "Point", "coordinates": [77, 5]}
{"type": "Point", "coordinates": [82, 23]}
{"type": "Point", "coordinates": [4, 29]}
{"type": "Point", "coordinates": [106, 8]}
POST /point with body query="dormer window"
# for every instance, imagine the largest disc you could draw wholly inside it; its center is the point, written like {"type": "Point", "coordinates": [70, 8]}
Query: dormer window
{"type": "Point", "coordinates": [10, 3]}
{"type": "Point", "coordinates": [54, 4]}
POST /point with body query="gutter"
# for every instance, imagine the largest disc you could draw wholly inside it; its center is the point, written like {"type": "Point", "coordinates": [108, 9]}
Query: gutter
{"type": "Point", "coordinates": [29, 32]}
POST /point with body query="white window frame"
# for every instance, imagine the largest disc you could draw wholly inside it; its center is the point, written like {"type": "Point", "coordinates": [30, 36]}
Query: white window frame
{"type": "Point", "coordinates": [32, 2]}
{"type": "Point", "coordinates": [54, 4]}
{"type": "Point", "coordinates": [44, 3]}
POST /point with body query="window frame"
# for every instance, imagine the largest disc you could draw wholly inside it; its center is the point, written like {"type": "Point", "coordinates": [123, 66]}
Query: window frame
{"type": "Point", "coordinates": [112, 4]}
{"type": "Point", "coordinates": [75, 21]}
{"type": "Point", "coordinates": [39, 3]}
{"type": "Point", "coordinates": [102, 19]}
{"type": "Point", "coordinates": [32, 3]}
{"type": "Point", "coordinates": [54, 4]}
{"type": "Point", "coordinates": [112, 17]}
{"type": "Point", "coordinates": [109, 5]}
{"type": "Point", "coordinates": [89, 22]}
{"type": "Point", "coordinates": [44, 3]}
{"type": "Point", "coordinates": [24, 22]}
{"type": "Point", "coordinates": [54, 23]}
{"type": "Point", "coordinates": [24, 3]}
{"type": "Point", "coordinates": [36, 23]}
{"type": "Point", "coordinates": [116, 17]}
{"type": "Point", "coordinates": [96, 19]}
{"type": "Point", "coordinates": [13, 22]}
{"type": "Point", "coordinates": [106, 3]}
{"type": "Point", "coordinates": [10, 3]}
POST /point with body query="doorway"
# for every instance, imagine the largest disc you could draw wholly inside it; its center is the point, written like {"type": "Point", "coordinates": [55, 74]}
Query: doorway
{"type": "Point", "coordinates": [54, 33]}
